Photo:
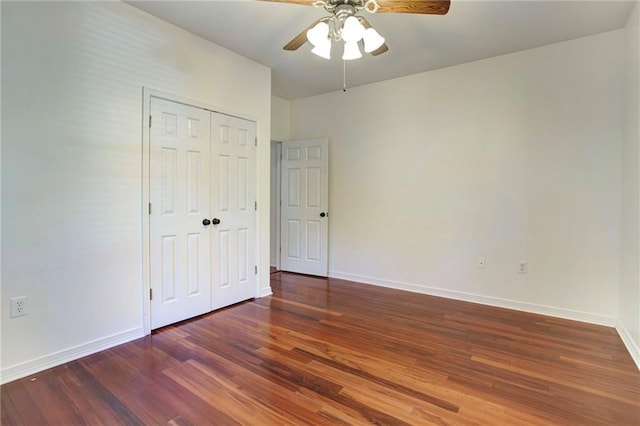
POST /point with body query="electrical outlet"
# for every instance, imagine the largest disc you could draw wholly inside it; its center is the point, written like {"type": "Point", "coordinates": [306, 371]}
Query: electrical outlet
{"type": "Point", "coordinates": [480, 262]}
{"type": "Point", "coordinates": [18, 306]}
{"type": "Point", "coordinates": [523, 267]}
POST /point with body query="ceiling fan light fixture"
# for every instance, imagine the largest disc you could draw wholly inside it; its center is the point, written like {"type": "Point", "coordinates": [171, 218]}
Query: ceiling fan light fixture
{"type": "Point", "coordinates": [351, 51]}
{"type": "Point", "coordinates": [352, 30]}
{"type": "Point", "coordinates": [372, 40]}
{"type": "Point", "coordinates": [323, 50]}
{"type": "Point", "coordinates": [319, 34]}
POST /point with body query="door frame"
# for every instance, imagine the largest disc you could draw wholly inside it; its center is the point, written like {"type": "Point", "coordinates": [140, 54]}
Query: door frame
{"type": "Point", "coordinates": [147, 94]}
{"type": "Point", "coordinates": [276, 209]}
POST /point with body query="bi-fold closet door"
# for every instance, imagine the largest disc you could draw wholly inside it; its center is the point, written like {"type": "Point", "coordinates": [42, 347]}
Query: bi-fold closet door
{"type": "Point", "coordinates": [202, 211]}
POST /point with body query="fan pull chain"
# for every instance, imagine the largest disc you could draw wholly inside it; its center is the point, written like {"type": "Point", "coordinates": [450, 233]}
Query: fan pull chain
{"type": "Point", "coordinates": [344, 76]}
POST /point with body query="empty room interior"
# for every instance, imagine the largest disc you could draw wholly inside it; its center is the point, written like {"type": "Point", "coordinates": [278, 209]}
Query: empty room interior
{"type": "Point", "coordinates": [334, 212]}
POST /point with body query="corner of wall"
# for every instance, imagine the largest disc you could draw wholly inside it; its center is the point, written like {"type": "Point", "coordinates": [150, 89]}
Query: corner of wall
{"type": "Point", "coordinates": [629, 343]}
{"type": "Point", "coordinates": [628, 323]}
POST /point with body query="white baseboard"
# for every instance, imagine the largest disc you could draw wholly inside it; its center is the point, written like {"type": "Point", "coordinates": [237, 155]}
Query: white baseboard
{"type": "Point", "coordinates": [628, 341]}
{"type": "Point", "coordinates": [264, 292]}
{"type": "Point", "coordinates": [37, 365]}
{"type": "Point", "coordinates": [484, 300]}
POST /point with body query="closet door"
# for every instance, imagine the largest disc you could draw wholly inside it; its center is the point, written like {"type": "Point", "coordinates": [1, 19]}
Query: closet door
{"type": "Point", "coordinates": [234, 209]}
{"type": "Point", "coordinates": [180, 212]}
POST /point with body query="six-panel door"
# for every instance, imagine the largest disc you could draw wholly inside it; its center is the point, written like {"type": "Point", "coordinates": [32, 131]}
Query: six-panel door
{"type": "Point", "coordinates": [233, 205]}
{"type": "Point", "coordinates": [304, 217]}
{"type": "Point", "coordinates": [180, 197]}
{"type": "Point", "coordinates": [203, 217]}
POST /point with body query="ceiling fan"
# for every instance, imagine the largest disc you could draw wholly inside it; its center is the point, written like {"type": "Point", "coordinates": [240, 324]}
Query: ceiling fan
{"type": "Point", "coordinates": [344, 24]}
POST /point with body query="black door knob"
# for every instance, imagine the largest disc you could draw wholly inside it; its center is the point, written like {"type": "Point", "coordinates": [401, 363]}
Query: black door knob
{"type": "Point", "coordinates": [323, 214]}
{"type": "Point", "coordinates": [206, 222]}
{"type": "Point", "coordinates": [216, 221]}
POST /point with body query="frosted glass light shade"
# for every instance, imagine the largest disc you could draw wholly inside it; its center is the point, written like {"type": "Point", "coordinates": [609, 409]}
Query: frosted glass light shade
{"type": "Point", "coordinates": [372, 40]}
{"type": "Point", "coordinates": [351, 51]}
{"type": "Point", "coordinates": [352, 30]}
{"type": "Point", "coordinates": [323, 50]}
{"type": "Point", "coordinates": [318, 34]}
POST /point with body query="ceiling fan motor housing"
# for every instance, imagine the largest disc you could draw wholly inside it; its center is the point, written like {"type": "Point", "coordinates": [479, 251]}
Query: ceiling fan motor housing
{"type": "Point", "coordinates": [343, 11]}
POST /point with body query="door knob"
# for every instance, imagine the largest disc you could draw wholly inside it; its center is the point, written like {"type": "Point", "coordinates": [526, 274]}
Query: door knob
{"type": "Point", "coordinates": [206, 222]}
{"type": "Point", "coordinates": [216, 221]}
{"type": "Point", "coordinates": [323, 214]}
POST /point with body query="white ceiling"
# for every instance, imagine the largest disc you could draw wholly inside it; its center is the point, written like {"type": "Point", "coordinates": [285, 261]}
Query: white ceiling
{"type": "Point", "coordinates": [471, 30]}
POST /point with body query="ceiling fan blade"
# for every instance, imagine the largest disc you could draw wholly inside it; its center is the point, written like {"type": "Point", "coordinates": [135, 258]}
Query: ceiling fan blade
{"type": "Point", "coordinates": [380, 50]}
{"type": "Point", "coordinates": [428, 7]}
{"type": "Point", "coordinates": [301, 38]}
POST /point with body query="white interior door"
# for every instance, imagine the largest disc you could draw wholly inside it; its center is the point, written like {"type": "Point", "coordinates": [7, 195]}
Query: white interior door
{"type": "Point", "coordinates": [234, 209]}
{"type": "Point", "coordinates": [305, 199]}
{"type": "Point", "coordinates": [180, 196]}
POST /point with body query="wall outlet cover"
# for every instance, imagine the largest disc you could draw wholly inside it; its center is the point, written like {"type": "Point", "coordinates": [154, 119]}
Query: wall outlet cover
{"type": "Point", "coordinates": [18, 306]}
{"type": "Point", "coordinates": [523, 267]}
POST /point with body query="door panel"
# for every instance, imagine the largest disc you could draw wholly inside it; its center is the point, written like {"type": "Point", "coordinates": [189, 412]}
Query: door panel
{"type": "Point", "coordinates": [233, 203]}
{"type": "Point", "coordinates": [180, 197]}
{"type": "Point", "coordinates": [305, 192]}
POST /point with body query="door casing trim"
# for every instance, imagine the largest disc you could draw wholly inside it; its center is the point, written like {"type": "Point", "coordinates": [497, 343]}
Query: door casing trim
{"type": "Point", "coordinates": [147, 94]}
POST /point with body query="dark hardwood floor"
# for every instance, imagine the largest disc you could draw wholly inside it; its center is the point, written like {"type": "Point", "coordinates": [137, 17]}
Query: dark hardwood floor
{"type": "Point", "coordinates": [335, 352]}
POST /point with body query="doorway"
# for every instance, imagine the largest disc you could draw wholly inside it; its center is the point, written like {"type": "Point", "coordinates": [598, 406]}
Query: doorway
{"type": "Point", "coordinates": [276, 172]}
{"type": "Point", "coordinates": [299, 208]}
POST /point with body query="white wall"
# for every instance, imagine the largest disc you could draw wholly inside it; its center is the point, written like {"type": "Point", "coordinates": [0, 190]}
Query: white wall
{"type": "Point", "coordinates": [511, 158]}
{"type": "Point", "coordinates": [629, 319]}
{"type": "Point", "coordinates": [72, 77]}
{"type": "Point", "coordinates": [280, 119]}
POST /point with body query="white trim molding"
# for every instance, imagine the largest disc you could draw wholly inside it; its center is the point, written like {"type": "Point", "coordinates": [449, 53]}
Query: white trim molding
{"type": "Point", "coordinates": [265, 291]}
{"type": "Point", "coordinates": [37, 365]}
{"type": "Point", "coordinates": [477, 298]}
{"type": "Point", "coordinates": [630, 344]}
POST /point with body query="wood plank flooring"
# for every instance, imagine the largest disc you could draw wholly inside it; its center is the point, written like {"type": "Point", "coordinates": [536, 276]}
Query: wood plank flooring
{"type": "Point", "coordinates": [323, 352]}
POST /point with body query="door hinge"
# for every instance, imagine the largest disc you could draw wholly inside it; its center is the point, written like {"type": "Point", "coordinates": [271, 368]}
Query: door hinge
{"type": "Point", "coordinates": [149, 208]}
{"type": "Point", "coordinates": [255, 205]}
{"type": "Point", "coordinates": [256, 141]}
{"type": "Point", "coordinates": [150, 294]}
{"type": "Point", "coordinates": [149, 121]}
{"type": "Point", "coordinates": [256, 269]}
